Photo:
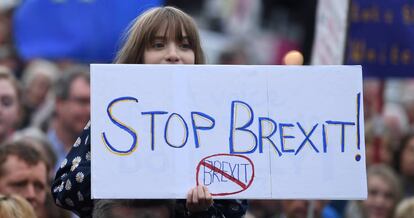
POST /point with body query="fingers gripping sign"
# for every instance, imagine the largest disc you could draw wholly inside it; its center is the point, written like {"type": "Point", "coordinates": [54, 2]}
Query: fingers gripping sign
{"type": "Point", "coordinates": [199, 199]}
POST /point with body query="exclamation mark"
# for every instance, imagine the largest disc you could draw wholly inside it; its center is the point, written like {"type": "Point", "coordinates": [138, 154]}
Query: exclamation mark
{"type": "Point", "coordinates": [358, 156]}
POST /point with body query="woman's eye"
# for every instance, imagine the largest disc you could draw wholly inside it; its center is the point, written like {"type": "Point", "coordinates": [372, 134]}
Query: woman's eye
{"type": "Point", "coordinates": [186, 45]}
{"type": "Point", "coordinates": [6, 101]}
{"type": "Point", "coordinates": [158, 45]}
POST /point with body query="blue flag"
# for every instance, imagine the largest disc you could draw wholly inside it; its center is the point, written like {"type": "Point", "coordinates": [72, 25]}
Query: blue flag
{"type": "Point", "coordinates": [81, 30]}
{"type": "Point", "coordinates": [381, 37]}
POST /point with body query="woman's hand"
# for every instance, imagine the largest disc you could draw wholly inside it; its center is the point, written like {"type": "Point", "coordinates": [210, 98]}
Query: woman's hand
{"type": "Point", "coordinates": [199, 199]}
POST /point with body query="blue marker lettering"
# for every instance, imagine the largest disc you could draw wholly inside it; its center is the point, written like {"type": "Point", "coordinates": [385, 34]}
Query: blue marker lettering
{"type": "Point", "coordinates": [358, 156]}
{"type": "Point", "coordinates": [325, 140]}
{"type": "Point", "coordinates": [195, 127]}
{"type": "Point", "coordinates": [343, 124]}
{"type": "Point", "coordinates": [232, 169]}
{"type": "Point", "coordinates": [283, 137]}
{"type": "Point", "coordinates": [185, 128]}
{"type": "Point", "coordinates": [233, 129]}
{"type": "Point", "coordinates": [215, 174]}
{"type": "Point", "coordinates": [307, 138]}
{"type": "Point", "coordinates": [273, 131]}
{"type": "Point", "coordinates": [152, 114]}
{"type": "Point", "coordinates": [245, 171]}
{"type": "Point", "coordinates": [207, 173]}
{"type": "Point", "coordinates": [357, 121]}
{"type": "Point", "coordinates": [222, 175]}
{"type": "Point", "coordinates": [118, 123]}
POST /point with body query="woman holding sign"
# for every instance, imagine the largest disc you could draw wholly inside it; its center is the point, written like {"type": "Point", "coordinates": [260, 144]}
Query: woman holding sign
{"type": "Point", "coordinates": [162, 35]}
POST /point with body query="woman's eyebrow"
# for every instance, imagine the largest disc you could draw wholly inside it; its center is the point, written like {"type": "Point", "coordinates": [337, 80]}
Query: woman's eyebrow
{"type": "Point", "coordinates": [159, 38]}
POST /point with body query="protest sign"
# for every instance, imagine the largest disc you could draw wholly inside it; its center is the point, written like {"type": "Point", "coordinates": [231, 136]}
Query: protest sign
{"type": "Point", "coordinates": [247, 132]}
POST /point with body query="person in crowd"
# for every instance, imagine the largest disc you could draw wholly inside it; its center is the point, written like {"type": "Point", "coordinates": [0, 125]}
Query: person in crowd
{"type": "Point", "coordinates": [384, 193]}
{"type": "Point", "coordinates": [163, 35]}
{"type": "Point", "coordinates": [109, 208]}
{"type": "Point", "coordinates": [396, 126]}
{"type": "Point", "coordinates": [23, 171]}
{"type": "Point", "coordinates": [8, 54]}
{"type": "Point", "coordinates": [72, 110]}
{"type": "Point", "coordinates": [404, 163]}
{"type": "Point", "coordinates": [38, 100]}
{"type": "Point", "coordinates": [38, 139]}
{"type": "Point", "coordinates": [14, 206]}
{"type": "Point", "coordinates": [372, 95]}
{"type": "Point", "coordinates": [307, 208]}
{"type": "Point", "coordinates": [235, 54]}
{"type": "Point", "coordinates": [369, 145]}
{"type": "Point", "coordinates": [263, 208]}
{"type": "Point", "coordinates": [10, 107]}
{"type": "Point", "coordinates": [407, 99]}
{"type": "Point", "coordinates": [377, 151]}
{"type": "Point", "coordinates": [405, 208]}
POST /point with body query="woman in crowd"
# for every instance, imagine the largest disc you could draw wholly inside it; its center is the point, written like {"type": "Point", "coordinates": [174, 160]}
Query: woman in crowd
{"type": "Point", "coordinates": [404, 162]}
{"type": "Point", "coordinates": [384, 193]}
{"type": "Point", "coordinates": [10, 107]}
{"type": "Point", "coordinates": [38, 100]}
{"type": "Point", "coordinates": [163, 35]}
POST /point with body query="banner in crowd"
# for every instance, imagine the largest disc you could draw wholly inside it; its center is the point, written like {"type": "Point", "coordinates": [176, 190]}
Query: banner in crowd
{"type": "Point", "coordinates": [247, 132]}
{"type": "Point", "coordinates": [80, 30]}
{"type": "Point", "coordinates": [330, 32]}
{"type": "Point", "coordinates": [381, 37]}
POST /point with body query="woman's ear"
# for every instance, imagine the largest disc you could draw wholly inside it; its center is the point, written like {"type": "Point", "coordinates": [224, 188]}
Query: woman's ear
{"type": "Point", "coordinates": [293, 58]}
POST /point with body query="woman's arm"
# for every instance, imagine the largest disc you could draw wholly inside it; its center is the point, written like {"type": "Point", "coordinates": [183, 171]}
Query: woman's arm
{"type": "Point", "coordinates": [71, 188]}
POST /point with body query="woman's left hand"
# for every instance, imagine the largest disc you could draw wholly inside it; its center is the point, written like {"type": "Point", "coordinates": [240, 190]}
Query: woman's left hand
{"type": "Point", "coordinates": [199, 199]}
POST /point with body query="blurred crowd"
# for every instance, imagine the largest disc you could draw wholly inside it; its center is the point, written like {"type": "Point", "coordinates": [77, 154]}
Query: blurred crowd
{"type": "Point", "coordinates": [45, 104]}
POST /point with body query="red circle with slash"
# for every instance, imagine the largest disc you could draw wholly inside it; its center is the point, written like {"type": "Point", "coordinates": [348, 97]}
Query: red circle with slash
{"type": "Point", "coordinates": [242, 185]}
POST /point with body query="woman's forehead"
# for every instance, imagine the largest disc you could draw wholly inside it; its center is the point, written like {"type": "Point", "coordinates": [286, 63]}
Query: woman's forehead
{"type": "Point", "coordinates": [170, 31]}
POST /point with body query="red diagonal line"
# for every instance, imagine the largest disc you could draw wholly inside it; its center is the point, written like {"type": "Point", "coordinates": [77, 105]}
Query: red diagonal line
{"type": "Point", "coordinates": [215, 169]}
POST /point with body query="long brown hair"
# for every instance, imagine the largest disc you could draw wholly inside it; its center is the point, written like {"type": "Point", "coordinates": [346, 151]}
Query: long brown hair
{"type": "Point", "coordinates": [145, 27]}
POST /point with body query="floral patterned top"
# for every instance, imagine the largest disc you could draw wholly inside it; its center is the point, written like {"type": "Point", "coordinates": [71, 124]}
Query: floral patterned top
{"type": "Point", "coordinates": [71, 188]}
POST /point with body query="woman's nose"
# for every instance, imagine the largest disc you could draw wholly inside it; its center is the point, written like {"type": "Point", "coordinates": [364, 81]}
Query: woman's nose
{"type": "Point", "coordinates": [172, 54]}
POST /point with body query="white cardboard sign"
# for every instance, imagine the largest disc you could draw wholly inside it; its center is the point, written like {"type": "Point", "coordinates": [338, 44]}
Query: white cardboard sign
{"type": "Point", "coordinates": [245, 132]}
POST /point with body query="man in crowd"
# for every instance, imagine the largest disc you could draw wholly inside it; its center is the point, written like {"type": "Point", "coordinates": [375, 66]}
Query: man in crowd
{"type": "Point", "coordinates": [132, 208]}
{"type": "Point", "coordinates": [72, 110]}
{"type": "Point", "coordinates": [24, 171]}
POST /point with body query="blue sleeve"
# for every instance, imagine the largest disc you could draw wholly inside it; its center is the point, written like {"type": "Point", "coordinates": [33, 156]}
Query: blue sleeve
{"type": "Point", "coordinates": [71, 188]}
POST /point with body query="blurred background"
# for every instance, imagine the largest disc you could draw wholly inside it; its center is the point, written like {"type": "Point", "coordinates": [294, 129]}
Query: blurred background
{"type": "Point", "coordinates": [43, 41]}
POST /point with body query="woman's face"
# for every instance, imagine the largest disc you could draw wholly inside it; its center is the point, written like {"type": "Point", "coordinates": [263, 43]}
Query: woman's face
{"type": "Point", "coordinates": [407, 159]}
{"type": "Point", "coordinates": [380, 202]}
{"type": "Point", "coordinates": [165, 50]}
{"type": "Point", "coordinates": [9, 107]}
